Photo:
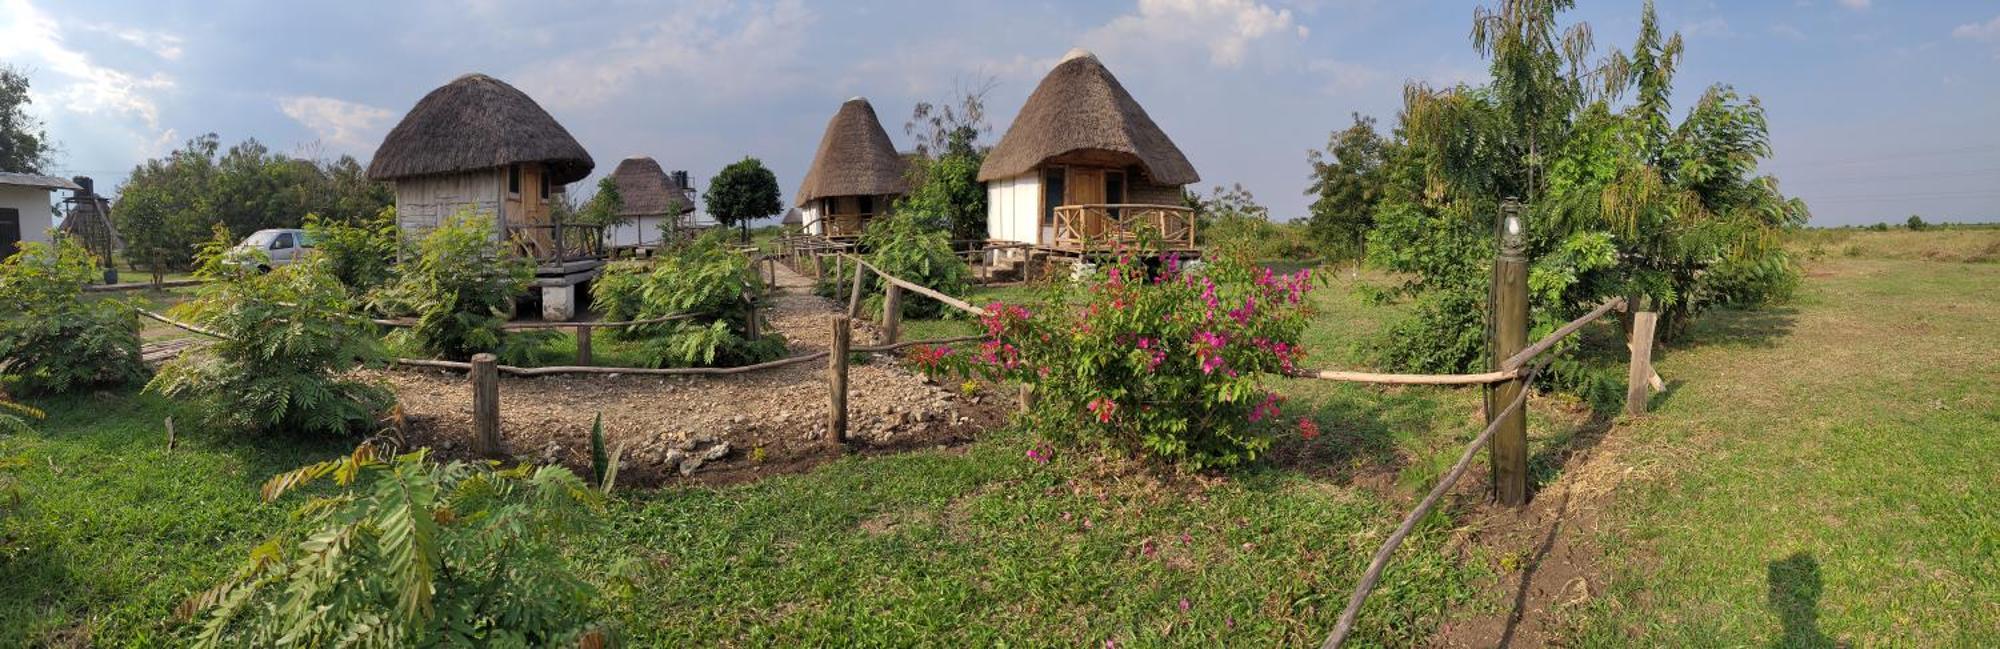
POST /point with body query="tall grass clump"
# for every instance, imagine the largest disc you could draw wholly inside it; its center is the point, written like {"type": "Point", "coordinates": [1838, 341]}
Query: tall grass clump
{"type": "Point", "coordinates": [704, 277]}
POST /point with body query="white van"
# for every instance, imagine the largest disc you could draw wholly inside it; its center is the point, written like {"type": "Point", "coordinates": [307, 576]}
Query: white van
{"type": "Point", "coordinates": [280, 247]}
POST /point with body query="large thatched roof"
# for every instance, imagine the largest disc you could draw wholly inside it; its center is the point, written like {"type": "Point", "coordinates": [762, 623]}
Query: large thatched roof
{"type": "Point", "coordinates": [646, 190]}
{"type": "Point", "coordinates": [1080, 107]}
{"type": "Point", "coordinates": [855, 158]}
{"type": "Point", "coordinates": [478, 122]}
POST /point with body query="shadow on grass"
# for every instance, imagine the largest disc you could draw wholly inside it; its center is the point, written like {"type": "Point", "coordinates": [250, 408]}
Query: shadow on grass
{"type": "Point", "coordinates": [1362, 433]}
{"type": "Point", "coordinates": [1795, 588]}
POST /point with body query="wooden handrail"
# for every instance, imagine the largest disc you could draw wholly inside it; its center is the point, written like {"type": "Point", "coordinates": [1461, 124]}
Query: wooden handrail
{"type": "Point", "coordinates": [1407, 379]}
{"type": "Point", "coordinates": [919, 289]}
{"type": "Point", "coordinates": [1530, 352]}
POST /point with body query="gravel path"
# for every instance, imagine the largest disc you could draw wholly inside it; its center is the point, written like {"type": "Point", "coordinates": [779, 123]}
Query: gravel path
{"type": "Point", "coordinates": [713, 429]}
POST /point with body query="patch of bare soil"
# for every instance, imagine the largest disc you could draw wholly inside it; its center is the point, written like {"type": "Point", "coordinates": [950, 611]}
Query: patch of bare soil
{"type": "Point", "coordinates": [1544, 554]}
{"type": "Point", "coordinates": [705, 429]}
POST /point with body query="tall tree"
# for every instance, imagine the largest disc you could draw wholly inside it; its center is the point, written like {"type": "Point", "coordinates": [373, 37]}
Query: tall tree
{"type": "Point", "coordinates": [24, 142]}
{"type": "Point", "coordinates": [945, 188]}
{"type": "Point", "coordinates": [1347, 181]}
{"type": "Point", "coordinates": [743, 192]}
{"type": "Point", "coordinates": [167, 205]}
{"type": "Point", "coordinates": [1620, 201]}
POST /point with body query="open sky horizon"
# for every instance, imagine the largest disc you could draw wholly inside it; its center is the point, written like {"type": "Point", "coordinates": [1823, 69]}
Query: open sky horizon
{"type": "Point", "coordinates": [1878, 109]}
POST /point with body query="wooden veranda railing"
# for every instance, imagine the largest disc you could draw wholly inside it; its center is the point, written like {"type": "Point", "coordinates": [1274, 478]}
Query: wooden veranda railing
{"type": "Point", "coordinates": [557, 242]}
{"type": "Point", "coordinates": [1084, 227]}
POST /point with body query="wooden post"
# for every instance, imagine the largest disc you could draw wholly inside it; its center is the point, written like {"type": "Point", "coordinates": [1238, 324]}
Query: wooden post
{"type": "Point", "coordinates": [854, 299]}
{"type": "Point", "coordinates": [583, 344]}
{"type": "Point", "coordinates": [836, 380]}
{"type": "Point", "coordinates": [1638, 389]}
{"type": "Point", "coordinates": [485, 405]}
{"type": "Point", "coordinates": [752, 329]}
{"type": "Point", "coordinates": [1027, 397]}
{"type": "Point", "coordinates": [892, 314]}
{"type": "Point", "coordinates": [1508, 449]}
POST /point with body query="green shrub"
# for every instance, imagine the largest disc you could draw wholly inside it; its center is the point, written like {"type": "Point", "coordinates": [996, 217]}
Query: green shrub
{"type": "Point", "coordinates": [14, 417]}
{"type": "Point", "coordinates": [904, 246]}
{"type": "Point", "coordinates": [704, 276]}
{"type": "Point", "coordinates": [1172, 366]}
{"type": "Point", "coordinates": [52, 340]}
{"type": "Point", "coordinates": [411, 553]}
{"type": "Point", "coordinates": [288, 337]}
{"type": "Point", "coordinates": [460, 287]}
{"type": "Point", "coordinates": [362, 255]}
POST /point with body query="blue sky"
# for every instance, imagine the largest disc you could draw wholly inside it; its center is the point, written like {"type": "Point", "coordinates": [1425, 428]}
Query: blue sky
{"type": "Point", "coordinates": [1878, 109]}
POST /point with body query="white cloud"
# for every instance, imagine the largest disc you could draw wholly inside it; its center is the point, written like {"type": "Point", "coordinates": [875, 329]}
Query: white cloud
{"type": "Point", "coordinates": [1788, 31]}
{"type": "Point", "coordinates": [1343, 75]}
{"type": "Point", "coordinates": [161, 44]}
{"type": "Point", "coordinates": [1855, 4]}
{"type": "Point", "coordinates": [1985, 32]}
{"type": "Point", "coordinates": [79, 85]}
{"type": "Point", "coordinates": [1710, 27]}
{"type": "Point", "coordinates": [1225, 28]}
{"type": "Point", "coordinates": [695, 47]}
{"type": "Point", "coordinates": [345, 126]}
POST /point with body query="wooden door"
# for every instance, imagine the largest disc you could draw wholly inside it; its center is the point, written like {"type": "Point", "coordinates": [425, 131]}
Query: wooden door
{"type": "Point", "coordinates": [1086, 187]}
{"type": "Point", "coordinates": [10, 231]}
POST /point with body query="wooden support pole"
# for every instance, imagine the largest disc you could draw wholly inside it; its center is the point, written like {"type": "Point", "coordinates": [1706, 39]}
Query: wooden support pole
{"type": "Point", "coordinates": [752, 328]}
{"type": "Point", "coordinates": [854, 299]}
{"type": "Point", "coordinates": [1508, 450]}
{"type": "Point", "coordinates": [1638, 389]}
{"type": "Point", "coordinates": [583, 344]}
{"type": "Point", "coordinates": [836, 379]}
{"type": "Point", "coordinates": [485, 405]}
{"type": "Point", "coordinates": [819, 270]}
{"type": "Point", "coordinates": [892, 314]}
{"type": "Point", "coordinates": [1027, 397]}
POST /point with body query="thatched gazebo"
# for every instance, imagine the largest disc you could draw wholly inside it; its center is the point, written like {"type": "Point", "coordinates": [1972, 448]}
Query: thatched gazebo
{"type": "Point", "coordinates": [1083, 165]}
{"type": "Point", "coordinates": [652, 203]}
{"type": "Point", "coordinates": [477, 143]}
{"type": "Point", "coordinates": [855, 175]}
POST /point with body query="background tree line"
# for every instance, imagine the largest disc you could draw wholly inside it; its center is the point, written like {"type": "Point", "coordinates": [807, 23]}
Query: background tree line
{"type": "Point", "coordinates": [167, 206]}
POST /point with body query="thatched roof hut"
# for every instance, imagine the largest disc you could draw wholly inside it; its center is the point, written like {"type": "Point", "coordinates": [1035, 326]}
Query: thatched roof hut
{"type": "Point", "coordinates": [478, 122]}
{"type": "Point", "coordinates": [1083, 166]}
{"type": "Point", "coordinates": [479, 145]}
{"type": "Point", "coordinates": [645, 190]}
{"type": "Point", "coordinates": [1080, 107]}
{"type": "Point", "coordinates": [855, 158]}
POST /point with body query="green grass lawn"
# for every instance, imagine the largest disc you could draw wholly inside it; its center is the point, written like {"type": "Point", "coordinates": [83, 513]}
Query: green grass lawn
{"type": "Point", "coordinates": [1826, 472]}
{"type": "Point", "coordinates": [1830, 465]}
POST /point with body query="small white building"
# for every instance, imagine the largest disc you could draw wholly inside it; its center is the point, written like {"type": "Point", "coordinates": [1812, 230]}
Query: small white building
{"type": "Point", "coordinates": [651, 200]}
{"type": "Point", "coordinates": [1084, 168]}
{"type": "Point", "coordinates": [26, 213]}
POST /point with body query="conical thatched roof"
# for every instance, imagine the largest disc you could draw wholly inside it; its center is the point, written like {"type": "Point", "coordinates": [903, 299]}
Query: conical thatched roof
{"type": "Point", "coordinates": [1081, 107]}
{"type": "Point", "coordinates": [478, 122]}
{"type": "Point", "coordinates": [855, 158]}
{"type": "Point", "coordinates": [646, 190]}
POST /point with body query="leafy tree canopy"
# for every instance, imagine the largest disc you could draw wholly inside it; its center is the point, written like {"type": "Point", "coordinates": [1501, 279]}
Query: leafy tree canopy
{"type": "Point", "coordinates": [25, 146]}
{"type": "Point", "coordinates": [743, 192]}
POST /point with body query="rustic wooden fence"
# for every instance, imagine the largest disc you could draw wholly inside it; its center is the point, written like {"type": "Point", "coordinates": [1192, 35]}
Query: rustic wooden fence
{"type": "Point", "coordinates": [1514, 369]}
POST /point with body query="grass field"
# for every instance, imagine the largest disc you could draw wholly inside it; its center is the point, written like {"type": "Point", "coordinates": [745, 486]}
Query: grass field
{"type": "Point", "coordinates": [1823, 471]}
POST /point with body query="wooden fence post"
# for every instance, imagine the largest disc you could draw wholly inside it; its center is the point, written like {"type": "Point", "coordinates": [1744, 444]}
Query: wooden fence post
{"type": "Point", "coordinates": [836, 379]}
{"type": "Point", "coordinates": [819, 270]}
{"type": "Point", "coordinates": [1508, 449]}
{"type": "Point", "coordinates": [892, 314]}
{"type": "Point", "coordinates": [752, 329]}
{"type": "Point", "coordinates": [1638, 389]}
{"type": "Point", "coordinates": [583, 344]}
{"type": "Point", "coordinates": [1027, 397]}
{"type": "Point", "coordinates": [854, 299]}
{"type": "Point", "coordinates": [485, 405]}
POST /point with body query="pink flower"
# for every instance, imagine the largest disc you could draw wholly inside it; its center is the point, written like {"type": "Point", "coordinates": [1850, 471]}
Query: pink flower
{"type": "Point", "coordinates": [1104, 409]}
{"type": "Point", "coordinates": [1185, 605]}
{"type": "Point", "coordinates": [1036, 456]}
{"type": "Point", "coordinates": [1308, 429]}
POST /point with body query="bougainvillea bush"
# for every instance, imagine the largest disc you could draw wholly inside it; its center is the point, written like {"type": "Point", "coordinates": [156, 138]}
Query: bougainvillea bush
{"type": "Point", "coordinates": [1168, 363]}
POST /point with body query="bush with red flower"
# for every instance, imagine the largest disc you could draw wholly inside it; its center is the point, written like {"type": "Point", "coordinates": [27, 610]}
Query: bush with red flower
{"type": "Point", "coordinates": [1159, 360]}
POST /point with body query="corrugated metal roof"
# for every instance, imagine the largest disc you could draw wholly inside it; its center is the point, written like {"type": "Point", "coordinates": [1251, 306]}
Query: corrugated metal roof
{"type": "Point", "coordinates": [36, 180]}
